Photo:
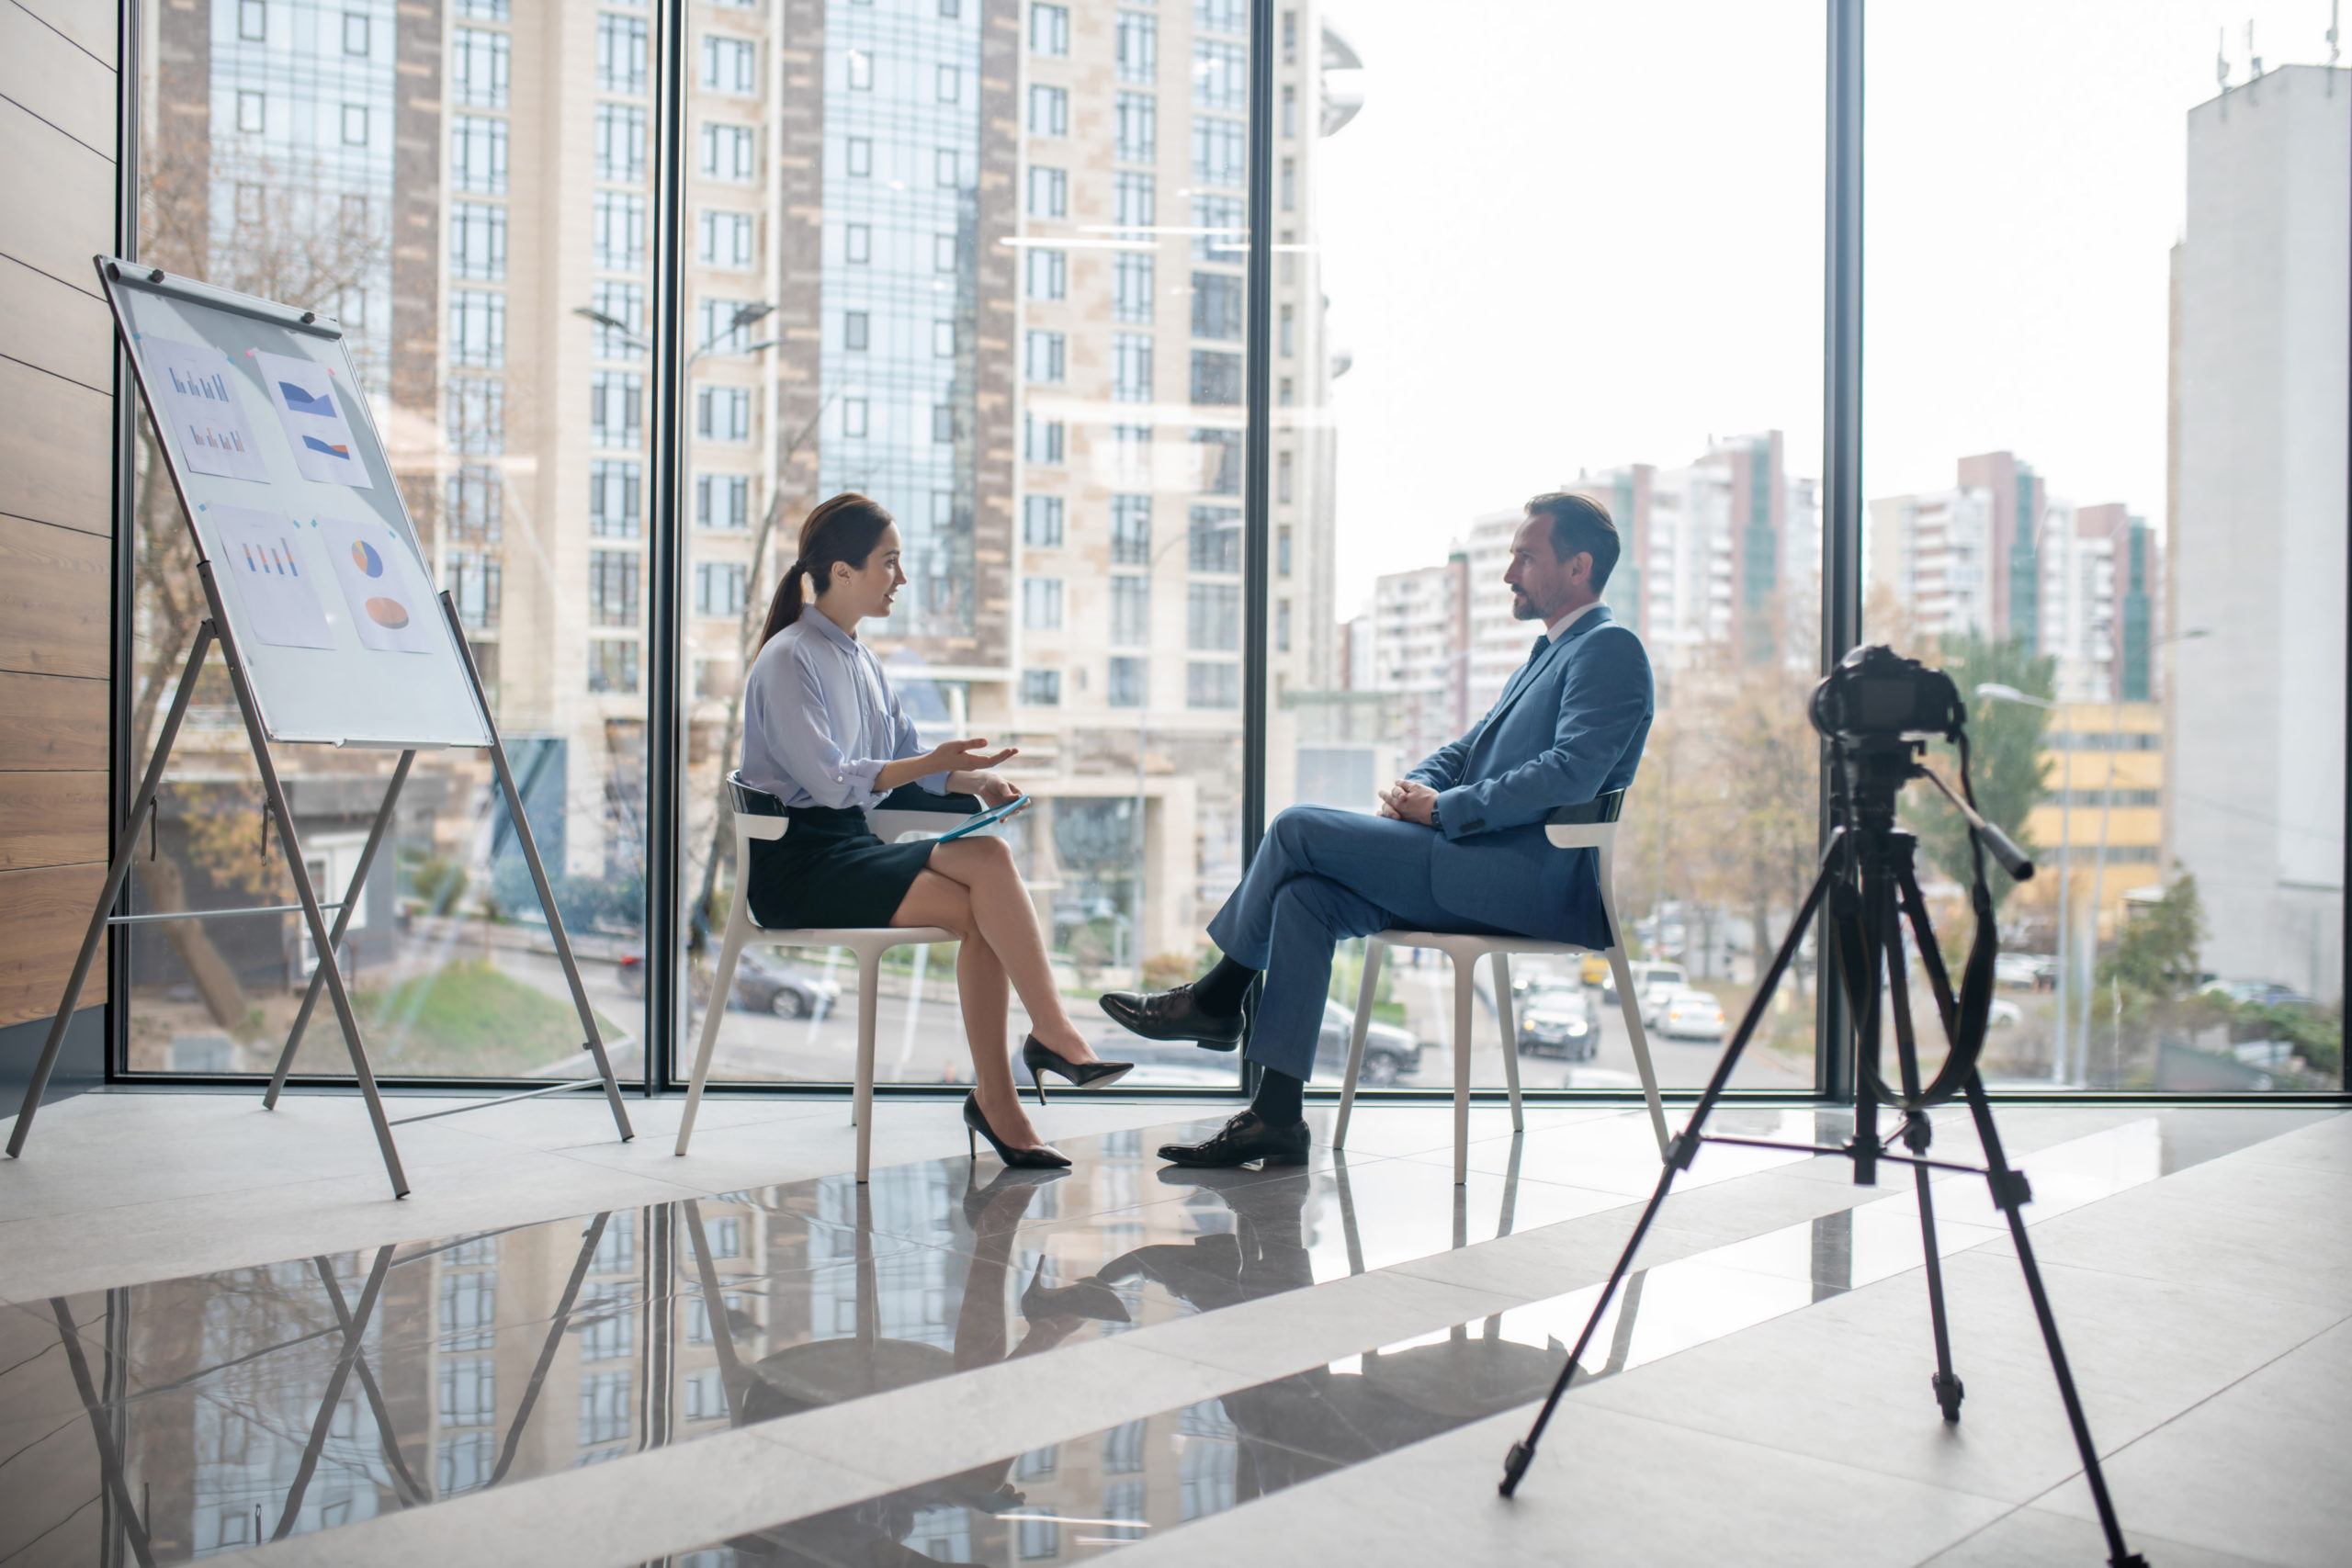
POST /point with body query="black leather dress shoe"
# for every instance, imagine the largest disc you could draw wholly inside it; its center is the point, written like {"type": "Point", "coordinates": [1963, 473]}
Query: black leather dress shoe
{"type": "Point", "coordinates": [1244, 1139]}
{"type": "Point", "coordinates": [1173, 1015]}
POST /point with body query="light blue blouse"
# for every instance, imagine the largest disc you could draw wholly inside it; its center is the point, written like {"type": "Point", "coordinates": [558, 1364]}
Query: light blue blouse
{"type": "Point", "coordinates": [819, 718]}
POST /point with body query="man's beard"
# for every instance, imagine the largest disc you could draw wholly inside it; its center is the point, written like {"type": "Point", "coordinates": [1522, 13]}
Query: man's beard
{"type": "Point", "coordinates": [1522, 608]}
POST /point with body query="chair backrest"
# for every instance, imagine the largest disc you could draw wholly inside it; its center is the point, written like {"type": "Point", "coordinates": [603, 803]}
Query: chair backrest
{"type": "Point", "coordinates": [1589, 824]}
{"type": "Point", "coordinates": [758, 814]}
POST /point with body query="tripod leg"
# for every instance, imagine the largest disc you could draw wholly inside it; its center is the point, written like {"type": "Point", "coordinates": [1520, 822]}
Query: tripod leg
{"type": "Point", "coordinates": [1680, 1151]}
{"type": "Point", "coordinates": [2010, 1194]}
{"type": "Point", "coordinates": [1917, 1137]}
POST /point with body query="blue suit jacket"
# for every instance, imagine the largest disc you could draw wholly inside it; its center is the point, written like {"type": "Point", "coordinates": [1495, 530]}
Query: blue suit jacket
{"type": "Point", "coordinates": [1569, 726]}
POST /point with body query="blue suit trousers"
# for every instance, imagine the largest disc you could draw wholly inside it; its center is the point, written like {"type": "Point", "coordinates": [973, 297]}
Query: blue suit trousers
{"type": "Point", "coordinates": [1320, 876]}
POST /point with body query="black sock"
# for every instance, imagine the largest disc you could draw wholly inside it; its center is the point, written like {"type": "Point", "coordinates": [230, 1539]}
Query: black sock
{"type": "Point", "coordinates": [1221, 990]}
{"type": "Point", "coordinates": [1281, 1098]}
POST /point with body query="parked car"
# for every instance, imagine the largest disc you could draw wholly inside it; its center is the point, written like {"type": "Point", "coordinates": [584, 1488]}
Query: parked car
{"type": "Point", "coordinates": [2263, 993]}
{"type": "Point", "coordinates": [1648, 974]}
{"type": "Point", "coordinates": [762, 984]}
{"type": "Point", "coordinates": [1688, 1014]}
{"type": "Point", "coordinates": [2026, 971]}
{"type": "Point", "coordinates": [1653, 989]}
{"type": "Point", "coordinates": [1558, 1022]}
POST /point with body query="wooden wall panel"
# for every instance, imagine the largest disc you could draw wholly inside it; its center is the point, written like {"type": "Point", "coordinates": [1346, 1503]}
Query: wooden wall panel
{"type": "Point", "coordinates": [56, 448]}
{"type": "Point", "coordinates": [51, 819]}
{"type": "Point", "coordinates": [44, 72]}
{"type": "Point", "coordinates": [56, 198]}
{"type": "Point", "coordinates": [48, 910]}
{"type": "Point", "coordinates": [54, 587]}
{"type": "Point", "coordinates": [53, 723]}
{"type": "Point", "coordinates": [90, 24]}
{"type": "Point", "coordinates": [56, 327]}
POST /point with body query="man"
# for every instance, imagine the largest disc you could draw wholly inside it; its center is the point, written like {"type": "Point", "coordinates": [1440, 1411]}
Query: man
{"type": "Point", "coordinates": [1458, 845]}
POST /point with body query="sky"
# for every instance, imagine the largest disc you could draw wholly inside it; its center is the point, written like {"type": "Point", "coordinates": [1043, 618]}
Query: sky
{"type": "Point", "coordinates": [1567, 234]}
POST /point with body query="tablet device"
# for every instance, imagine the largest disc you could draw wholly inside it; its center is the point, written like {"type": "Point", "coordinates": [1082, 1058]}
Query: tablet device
{"type": "Point", "coordinates": [986, 818]}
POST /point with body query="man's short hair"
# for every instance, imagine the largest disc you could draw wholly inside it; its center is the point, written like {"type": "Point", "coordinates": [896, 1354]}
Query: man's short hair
{"type": "Point", "coordinates": [1580, 525]}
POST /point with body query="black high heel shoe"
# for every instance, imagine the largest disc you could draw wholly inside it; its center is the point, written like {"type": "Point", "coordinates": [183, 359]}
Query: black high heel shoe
{"type": "Point", "coordinates": [1085, 1075]}
{"type": "Point", "coordinates": [1045, 1156]}
{"type": "Point", "coordinates": [1088, 1298]}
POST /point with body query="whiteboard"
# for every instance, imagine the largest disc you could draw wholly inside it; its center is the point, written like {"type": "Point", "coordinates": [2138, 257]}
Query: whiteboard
{"type": "Point", "coordinates": [329, 599]}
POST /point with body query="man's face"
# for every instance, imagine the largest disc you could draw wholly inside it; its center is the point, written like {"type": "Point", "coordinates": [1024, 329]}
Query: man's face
{"type": "Point", "coordinates": [1543, 586]}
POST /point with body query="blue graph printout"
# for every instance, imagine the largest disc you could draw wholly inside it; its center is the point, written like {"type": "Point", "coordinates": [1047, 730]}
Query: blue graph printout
{"type": "Point", "coordinates": [202, 408]}
{"type": "Point", "coordinates": [311, 406]}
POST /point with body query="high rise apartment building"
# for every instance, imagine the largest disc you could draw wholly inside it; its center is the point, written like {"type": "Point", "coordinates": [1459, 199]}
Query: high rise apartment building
{"type": "Point", "coordinates": [981, 259]}
{"type": "Point", "coordinates": [1997, 554]}
{"type": "Point", "coordinates": [1414, 651]}
{"type": "Point", "coordinates": [2261, 279]}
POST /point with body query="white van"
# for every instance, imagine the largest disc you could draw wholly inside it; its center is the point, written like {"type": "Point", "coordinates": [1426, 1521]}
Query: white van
{"type": "Point", "coordinates": [1648, 977]}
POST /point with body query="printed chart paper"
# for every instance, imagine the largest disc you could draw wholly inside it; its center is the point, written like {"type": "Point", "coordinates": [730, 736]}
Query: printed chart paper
{"type": "Point", "coordinates": [197, 391]}
{"type": "Point", "coordinates": [274, 582]}
{"type": "Point", "coordinates": [389, 604]}
{"type": "Point", "coordinates": [310, 405]}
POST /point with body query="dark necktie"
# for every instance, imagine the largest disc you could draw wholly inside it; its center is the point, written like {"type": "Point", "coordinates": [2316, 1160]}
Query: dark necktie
{"type": "Point", "coordinates": [1541, 643]}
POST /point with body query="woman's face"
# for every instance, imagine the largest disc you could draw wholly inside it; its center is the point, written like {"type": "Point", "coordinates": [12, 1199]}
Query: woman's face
{"type": "Point", "coordinates": [869, 590]}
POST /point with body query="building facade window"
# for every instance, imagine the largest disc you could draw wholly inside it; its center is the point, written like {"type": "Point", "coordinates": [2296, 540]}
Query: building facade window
{"type": "Point", "coordinates": [1216, 377]}
{"type": "Point", "coordinates": [730, 151]}
{"type": "Point", "coordinates": [1041, 439]}
{"type": "Point", "coordinates": [1136, 122]}
{"type": "Point", "coordinates": [723, 500]}
{"type": "Point", "coordinates": [1131, 367]}
{"type": "Point", "coordinates": [480, 67]}
{"type": "Point", "coordinates": [614, 301]}
{"type": "Point", "coordinates": [1047, 273]}
{"type": "Point", "coordinates": [1130, 610]}
{"type": "Point", "coordinates": [477, 328]}
{"type": "Point", "coordinates": [1135, 202]}
{"type": "Point", "coordinates": [725, 239]}
{"type": "Point", "coordinates": [478, 242]}
{"type": "Point", "coordinates": [1131, 286]}
{"type": "Point", "coordinates": [1208, 685]}
{"type": "Point", "coordinates": [616, 229]}
{"type": "Point", "coordinates": [1049, 191]}
{"type": "Point", "coordinates": [1219, 151]}
{"type": "Point", "coordinates": [1040, 522]}
{"type": "Point", "coordinates": [1221, 225]}
{"type": "Point", "coordinates": [1131, 530]}
{"type": "Point", "coordinates": [723, 413]}
{"type": "Point", "coordinates": [620, 53]}
{"type": "Point", "coordinates": [1048, 30]}
{"type": "Point", "coordinates": [1041, 688]}
{"type": "Point", "coordinates": [1213, 539]}
{"type": "Point", "coordinates": [1041, 604]}
{"type": "Point", "coordinates": [619, 143]}
{"type": "Point", "coordinates": [1216, 305]}
{"type": "Point", "coordinates": [615, 500]}
{"type": "Point", "coordinates": [1125, 685]}
{"type": "Point", "coordinates": [1043, 357]}
{"type": "Point", "coordinates": [616, 405]}
{"type": "Point", "coordinates": [1048, 110]}
{"type": "Point", "coordinates": [1220, 75]}
{"type": "Point", "coordinates": [612, 667]}
{"type": "Point", "coordinates": [1136, 46]}
{"type": "Point", "coordinates": [719, 588]}
{"type": "Point", "coordinates": [1221, 453]}
{"type": "Point", "coordinates": [730, 65]}
{"type": "Point", "coordinates": [612, 588]}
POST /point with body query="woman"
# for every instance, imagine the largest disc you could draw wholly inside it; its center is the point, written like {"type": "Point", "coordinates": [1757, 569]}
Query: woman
{"type": "Point", "coordinates": [824, 732]}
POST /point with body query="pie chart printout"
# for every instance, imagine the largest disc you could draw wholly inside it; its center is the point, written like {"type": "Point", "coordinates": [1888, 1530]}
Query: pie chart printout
{"type": "Point", "coordinates": [311, 406]}
{"type": "Point", "coordinates": [382, 585]}
{"type": "Point", "coordinates": [273, 579]}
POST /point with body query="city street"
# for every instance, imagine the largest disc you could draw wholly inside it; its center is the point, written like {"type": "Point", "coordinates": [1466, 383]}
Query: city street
{"type": "Point", "coordinates": [920, 1038]}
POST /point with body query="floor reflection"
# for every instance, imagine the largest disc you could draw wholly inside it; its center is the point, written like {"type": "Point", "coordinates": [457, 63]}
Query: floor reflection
{"type": "Point", "coordinates": [163, 1422]}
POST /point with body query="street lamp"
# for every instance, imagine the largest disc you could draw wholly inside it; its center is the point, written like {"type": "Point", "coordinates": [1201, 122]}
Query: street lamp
{"type": "Point", "coordinates": [743, 317]}
{"type": "Point", "coordinates": [1998, 691]}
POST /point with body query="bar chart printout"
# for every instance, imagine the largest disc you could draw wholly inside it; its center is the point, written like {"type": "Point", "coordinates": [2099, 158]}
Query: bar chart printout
{"type": "Point", "coordinates": [261, 559]}
{"type": "Point", "coordinates": [201, 407]}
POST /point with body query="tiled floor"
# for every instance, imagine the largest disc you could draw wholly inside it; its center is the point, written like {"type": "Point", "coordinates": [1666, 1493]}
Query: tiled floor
{"type": "Point", "coordinates": [565, 1351]}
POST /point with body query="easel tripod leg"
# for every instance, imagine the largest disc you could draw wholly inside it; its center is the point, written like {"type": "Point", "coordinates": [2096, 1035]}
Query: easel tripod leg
{"type": "Point", "coordinates": [594, 1041]}
{"type": "Point", "coordinates": [1679, 1152]}
{"type": "Point", "coordinates": [126, 845]}
{"type": "Point", "coordinates": [275, 790]}
{"type": "Point", "coordinates": [2010, 1194]}
{"type": "Point", "coordinates": [351, 897]}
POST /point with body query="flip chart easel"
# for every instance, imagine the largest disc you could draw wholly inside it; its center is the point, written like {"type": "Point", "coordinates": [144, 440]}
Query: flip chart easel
{"type": "Point", "coordinates": [281, 513]}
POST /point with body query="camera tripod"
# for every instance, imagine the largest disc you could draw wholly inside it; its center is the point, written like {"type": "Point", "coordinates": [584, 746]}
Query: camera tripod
{"type": "Point", "coordinates": [1867, 880]}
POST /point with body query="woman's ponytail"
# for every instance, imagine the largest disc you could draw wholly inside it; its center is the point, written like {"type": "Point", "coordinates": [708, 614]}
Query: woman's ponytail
{"type": "Point", "coordinates": [842, 529]}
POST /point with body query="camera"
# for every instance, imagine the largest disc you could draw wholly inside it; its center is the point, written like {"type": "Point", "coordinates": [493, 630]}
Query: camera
{"type": "Point", "coordinates": [1876, 693]}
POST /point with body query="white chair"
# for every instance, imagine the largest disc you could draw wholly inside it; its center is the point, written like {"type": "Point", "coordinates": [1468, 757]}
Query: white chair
{"type": "Point", "coordinates": [759, 814]}
{"type": "Point", "coordinates": [1592, 826]}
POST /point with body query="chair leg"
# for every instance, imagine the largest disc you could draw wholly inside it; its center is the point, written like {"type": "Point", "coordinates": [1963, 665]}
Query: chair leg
{"type": "Point", "coordinates": [1503, 1012]}
{"type": "Point", "coordinates": [869, 989]}
{"type": "Point", "coordinates": [1373, 951]}
{"type": "Point", "coordinates": [1631, 1007]}
{"type": "Point", "coordinates": [1465, 992]}
{"type": "Point", "coordinates": [739, 928]}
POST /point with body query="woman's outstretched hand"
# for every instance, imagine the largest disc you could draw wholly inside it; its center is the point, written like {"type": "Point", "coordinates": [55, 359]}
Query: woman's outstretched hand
{"type": "Point", "coordinates": [967, 756]}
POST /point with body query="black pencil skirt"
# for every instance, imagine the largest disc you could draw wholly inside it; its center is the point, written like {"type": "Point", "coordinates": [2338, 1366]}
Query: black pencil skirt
{"type": "Point", "coordinates": [830, 870]}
